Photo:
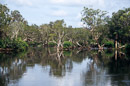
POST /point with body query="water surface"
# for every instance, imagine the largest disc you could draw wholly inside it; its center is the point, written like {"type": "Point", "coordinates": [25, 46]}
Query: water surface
{"type": "Point", "coordinates": [46, 67]}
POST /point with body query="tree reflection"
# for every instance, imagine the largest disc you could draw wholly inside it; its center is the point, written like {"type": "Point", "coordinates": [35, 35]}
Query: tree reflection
{"type": "Point", "coordinates": [107, 68]}
{"type": "Point", "coordinates": [103, 67]}
{"type": "Point", "coordinates": [13, 66]}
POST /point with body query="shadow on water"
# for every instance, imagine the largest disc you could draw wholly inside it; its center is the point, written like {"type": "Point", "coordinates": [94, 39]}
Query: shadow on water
{"type": "Point", "coordinates": [106, 68]}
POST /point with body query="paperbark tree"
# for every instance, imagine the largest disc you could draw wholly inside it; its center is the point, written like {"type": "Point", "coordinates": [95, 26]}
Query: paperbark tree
{"type": "Point", "coordinates": [93, 20]}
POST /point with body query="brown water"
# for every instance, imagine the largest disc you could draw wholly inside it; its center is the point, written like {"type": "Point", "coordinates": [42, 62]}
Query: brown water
{"type": "Point", "coordinates": [45, 67]}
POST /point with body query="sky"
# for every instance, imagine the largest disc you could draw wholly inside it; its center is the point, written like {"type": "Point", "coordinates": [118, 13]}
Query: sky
{"type": "Point", "coordinates": [43, 11]}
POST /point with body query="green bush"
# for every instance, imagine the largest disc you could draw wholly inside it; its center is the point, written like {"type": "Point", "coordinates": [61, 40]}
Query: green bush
{"type": "Point", "coordinates": [67, 44]}
{"type": "Point", "coordinates": [52, 44]}
{"type": "Point", "coordinates": [109, 44]}
{"type": "Point", "coordinates": [17, 44]}
{"type": "Point", "coordinates": [6, 43]}
{"type": "Point", "coordinates": [20, 45]}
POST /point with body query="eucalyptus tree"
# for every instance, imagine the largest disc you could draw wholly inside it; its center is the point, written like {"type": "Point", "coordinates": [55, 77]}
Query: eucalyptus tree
{"type": "Point", "coordinates": [70, 34]}
{"type": "Point", "coordinates": [5, 20]}
{"type": "Point", "coordinates": [15, 29]}
{"type": "Point", "coordinates": [119, 26]}
{"type": "Point", "coordinates": [32, 34]}
{"type": "Point", "coordinates": [45, 32]}
{"type": "Point", "coordinates": [16, 16]}
{"type": "Point", "coordinates": [80, 36]}
{"type": "Point", "coordinates": [59, 27]}
{"type": "Point", "coordinates": [94, 20]}
{"type": "Point", "coordinates": [16, 26]}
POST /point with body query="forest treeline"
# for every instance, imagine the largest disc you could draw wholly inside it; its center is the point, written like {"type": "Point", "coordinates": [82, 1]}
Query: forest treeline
{"type": "Point", "coordinates": [99, 31]}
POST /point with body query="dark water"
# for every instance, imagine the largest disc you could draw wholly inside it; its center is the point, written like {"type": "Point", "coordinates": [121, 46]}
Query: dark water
{"type": "Point", "coordinates": [45, 67]}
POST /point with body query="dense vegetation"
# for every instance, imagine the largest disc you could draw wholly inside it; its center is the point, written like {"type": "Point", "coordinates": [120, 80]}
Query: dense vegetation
{"type": "Point", "coordinates": [100, 31]}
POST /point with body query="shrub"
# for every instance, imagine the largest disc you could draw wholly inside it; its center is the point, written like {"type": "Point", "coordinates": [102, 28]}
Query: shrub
{"type": "Point", "coordinates": [109, 44]}
{"type": "Point", "coordinates": [6, 43]}
{"type": "Point", "coordinates": [67, 44]}
{"type": "Point", "coordinates": [20, 45]}
{"type": "Point", "coordinates": [52, 44]}
{"type": "Point", "coordinates": [17, 44]}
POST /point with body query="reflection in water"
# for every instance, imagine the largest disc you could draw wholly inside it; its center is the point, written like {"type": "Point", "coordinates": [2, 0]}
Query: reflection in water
{"type": "Point", "coordinates": [45, 66]}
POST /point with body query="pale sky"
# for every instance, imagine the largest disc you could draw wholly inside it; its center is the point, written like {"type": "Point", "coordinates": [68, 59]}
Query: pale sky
{"type": "Point", "coordinates": [43, 11]}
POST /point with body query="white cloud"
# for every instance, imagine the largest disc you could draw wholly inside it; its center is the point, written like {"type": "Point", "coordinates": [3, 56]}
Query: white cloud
{"type": "Point", "coordinates": [59, 13]}
{"type": "Point", "coordinates": [66, 2]}
{"type": "Point", "coordinates": [43, 11]}
{"type": "Point", "coordinates": [58, 1]}
{"type": "Point", "coordinates": [78, 2]}
{"type": "Point", "coordinates": [21, 2]}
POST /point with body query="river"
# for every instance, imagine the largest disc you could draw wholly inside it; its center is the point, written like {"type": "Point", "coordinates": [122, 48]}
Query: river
{"type": "Point", "coordinates": [45, 67]}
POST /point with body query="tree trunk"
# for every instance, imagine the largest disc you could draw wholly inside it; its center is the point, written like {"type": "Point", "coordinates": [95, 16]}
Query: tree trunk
{"type": "Point", "coordinates": [116, 44]}
{"type": "Point", "coordinates": [60, 44]}
{"type": "Point", "coordinates": [78, 44]}
{"type": "Point", "coordinates": [100, 47]}
{"type": "Point", "coordinates": [115, 54]}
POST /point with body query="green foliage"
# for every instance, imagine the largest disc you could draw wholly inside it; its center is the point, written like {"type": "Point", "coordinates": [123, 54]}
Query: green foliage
{"type": "Point", "coordinates": [98, 27]}
{"type": "Point", "coordinates": [4, 15]}
{"type": "Point", "coordinates": [119, 26]}
{"type": "Point", "coordinates": [20, 45]}
{"type": "Point", "coordinates": [67, 53]}
{"type": "Point", "coordinates": [67, 44]}
{"type": "Point", "coordinates": [109, 44]}
{"type": "Point", "coordinates": [93, 18]}
{"type": "Point", "coordinates": [16, 16]}
{"type": "Point", "coordinates": [95, 21]}
{"type": "Point", "coordinates": [16, 45]}
{"type": "Point", "coordinates": [52, 44]}
{"type": "Point", "coordinates": [6, 43]}
{"type": "Point", "coordinates": [5, 20]}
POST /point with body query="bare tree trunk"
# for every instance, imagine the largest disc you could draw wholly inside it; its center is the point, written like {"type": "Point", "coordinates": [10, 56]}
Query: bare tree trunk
{"type": "Point", "coordinates": [115, 54]}
{"type": "Point", "coordinates": [100, 46]}
{"type": "Point", "coordinates": [59, 57]}
{"type": "Point", "coordinates": [78, 44]}
{"type": "Point", "coordinates": [116, 46]}
{"type": "Point", "coordinates": [60, 44]}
